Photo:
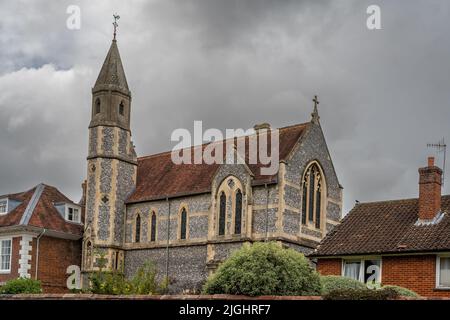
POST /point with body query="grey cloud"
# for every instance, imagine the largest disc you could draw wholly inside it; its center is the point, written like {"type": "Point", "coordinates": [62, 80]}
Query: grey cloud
{"type": "Point", "coordinates": [384, 94]}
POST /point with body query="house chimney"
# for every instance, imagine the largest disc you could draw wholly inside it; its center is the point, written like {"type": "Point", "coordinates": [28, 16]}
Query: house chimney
{"type": "Point", "coordinates": [261, 126]}
{"type": "Point", "coordinates": [430, 180]}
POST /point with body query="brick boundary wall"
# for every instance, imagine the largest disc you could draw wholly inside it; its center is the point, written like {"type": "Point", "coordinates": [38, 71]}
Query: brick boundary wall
{"type": "Point", "coordinates": [167, 297]}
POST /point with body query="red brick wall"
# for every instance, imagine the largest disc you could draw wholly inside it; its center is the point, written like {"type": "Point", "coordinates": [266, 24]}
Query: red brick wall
{"type": "Point", "coordinates": [328, 267]}
{"type": "Point", "coordinates": [417, 273]}
{"type": "Point", "coordinates": [14, 261]}
{"type": "Point", "coordinates": [55, 255]}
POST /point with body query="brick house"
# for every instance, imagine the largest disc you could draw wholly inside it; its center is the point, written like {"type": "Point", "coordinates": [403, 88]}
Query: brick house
{"type": "Point", "coordinates": [402, 242]}
{"type": "Point", "coordinates": [40, 236]}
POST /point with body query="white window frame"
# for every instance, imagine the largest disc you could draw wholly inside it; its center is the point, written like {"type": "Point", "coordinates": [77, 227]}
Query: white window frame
{"type": "Point", "coordinates": [7, 205]}
{"type": "Point", "coordinates": [66, 214]}
{"type": "Point", "coordinates": [361, 270]}
{"type": "Point", "coordinates": [438, 270]}
{"type": "Point", "coordinates": [6, 271]}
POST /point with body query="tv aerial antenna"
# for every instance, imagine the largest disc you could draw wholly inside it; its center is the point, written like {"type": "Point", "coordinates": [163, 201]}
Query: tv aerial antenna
{"type": "Point", "coordinates": [440, 147]}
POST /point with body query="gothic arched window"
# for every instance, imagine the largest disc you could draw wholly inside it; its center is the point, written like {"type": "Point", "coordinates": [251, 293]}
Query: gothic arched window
{"type": "Point", "coordinates": [137, 233]}
{"type": "Point", "coordinates": [97, 106]}
{"type": "Point", "coordinates": [238, 212]}
{"type": "Point", "coordinates": [183, 224]}
{"type": "Point", "coordinates": [121, 108]}
{"type": "Point", "coordinates": [153, 227]}
{"type": "Point", "coordinates": [312, 196]}
{"type": "Point", "coordinates": [222, 213]}
{"type": "Point", "coordinates": [230, 209]}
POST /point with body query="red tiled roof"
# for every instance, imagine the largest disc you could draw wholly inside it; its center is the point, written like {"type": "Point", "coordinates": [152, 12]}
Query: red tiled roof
{"type": "Point", "coordinates": [45, 215]}
{"type": "Point", "coordinates": [387, 227]}
{"type": "Point", "coordinates": [158, 177]}
{"type": "Point", "coordinates": [13, 217]}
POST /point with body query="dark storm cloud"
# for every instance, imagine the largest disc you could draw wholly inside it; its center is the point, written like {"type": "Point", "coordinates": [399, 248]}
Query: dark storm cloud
{"type": "Point", "coordinates": [384, 94]}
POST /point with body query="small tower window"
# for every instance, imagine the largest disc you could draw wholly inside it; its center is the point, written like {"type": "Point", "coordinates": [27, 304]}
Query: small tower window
{"type": "Point", "coordinates": [183, 224]}
{"type": "Point", "coordinates": [137, 235]}
{"type": "Point", "coordinates": [97, 106]}
{"type": "Point", "coordinates": [121, 108]}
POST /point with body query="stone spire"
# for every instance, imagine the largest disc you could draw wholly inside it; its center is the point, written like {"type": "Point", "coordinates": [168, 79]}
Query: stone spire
{"type": "Point", "coordinates": [112, 74]}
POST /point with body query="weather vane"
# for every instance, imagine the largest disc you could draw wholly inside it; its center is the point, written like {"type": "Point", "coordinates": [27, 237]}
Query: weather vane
{"type": "Point", "coordinates": [115, 24]}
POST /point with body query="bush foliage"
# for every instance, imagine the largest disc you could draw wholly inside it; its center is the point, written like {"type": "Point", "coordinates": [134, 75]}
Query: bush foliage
{"type": "Point", "coordinates": [21, 285]}
{"type": "Point", "coordinates": [332, 283]}
{"type": "Point", "coordinates": [264, 269]}
{"type": "Point", "coordinates": [402, 291]}
{"type": "Point", "coordinates": [383, 293]}
{"type": "Point", "coordinates": [144, 282]}
{"type": "Point", "coordinates": [362, 294]}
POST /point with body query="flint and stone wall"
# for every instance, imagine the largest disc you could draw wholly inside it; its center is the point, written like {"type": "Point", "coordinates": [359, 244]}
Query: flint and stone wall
{"type": "Point", "coordinates": [271, 212]}
{"type": "Point", "coordinates": [312, 148]}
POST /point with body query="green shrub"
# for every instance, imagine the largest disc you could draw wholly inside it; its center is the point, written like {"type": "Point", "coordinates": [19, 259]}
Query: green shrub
{"type": "Point", "coordinates": [114, 283]}
{"type": "Point", "coordinates": [402, 291]}
{"type": "Point", "coordinates": [145, 282]}
{"type": "Point", "coordinates": [362, 294]}
{"type": "Point", "coordinates": [21, 285]}
{"type": "Point", "coordinates": [331, 283]}
{"type": "Point", "coordinates": [264, 269]}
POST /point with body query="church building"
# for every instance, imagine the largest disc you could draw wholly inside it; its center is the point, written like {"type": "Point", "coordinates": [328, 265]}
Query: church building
{"type": "Point", "coordinates": [187, 218]}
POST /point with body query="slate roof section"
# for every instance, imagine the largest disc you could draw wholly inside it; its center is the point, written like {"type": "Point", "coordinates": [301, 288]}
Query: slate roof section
{"type": "Point", "coordinates": [387, 227]}
{"type": "Point", "coordinates": [43, 213]}
{"type": "Point", "coordinates": [158, 177]}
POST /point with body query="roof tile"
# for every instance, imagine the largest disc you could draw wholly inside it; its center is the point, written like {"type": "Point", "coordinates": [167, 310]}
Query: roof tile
{"type": "Point", "coordinates": [387, 227]}
{"type": "Point", "coordinates": [158, 177]}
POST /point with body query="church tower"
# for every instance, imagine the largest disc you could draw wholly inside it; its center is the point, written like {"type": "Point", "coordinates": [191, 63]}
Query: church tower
{"type": "Point", "coordinates": [111, 167]}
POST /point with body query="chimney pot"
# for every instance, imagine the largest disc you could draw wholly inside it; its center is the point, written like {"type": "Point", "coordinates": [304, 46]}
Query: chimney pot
{"type": "Point", "coordinates": [261, 126]}
{"type": "Point", "coordinates": [431, 161]}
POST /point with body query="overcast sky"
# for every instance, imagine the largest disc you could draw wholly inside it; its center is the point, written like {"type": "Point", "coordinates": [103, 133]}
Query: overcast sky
{"type": "Point", "coordinates": [384, 94]}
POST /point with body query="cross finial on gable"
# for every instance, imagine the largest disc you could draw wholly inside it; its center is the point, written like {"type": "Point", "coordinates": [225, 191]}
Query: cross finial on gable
{"type": "Point", "coordinates": [315, 113]}
{"type": "Point", "coordinates": [115, 24]}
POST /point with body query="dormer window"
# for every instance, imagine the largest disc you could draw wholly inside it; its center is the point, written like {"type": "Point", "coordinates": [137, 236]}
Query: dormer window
{"type": "Point", "coordinates": [73, 213]}
{"type": "Point", "coordinates": [3, 206]}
